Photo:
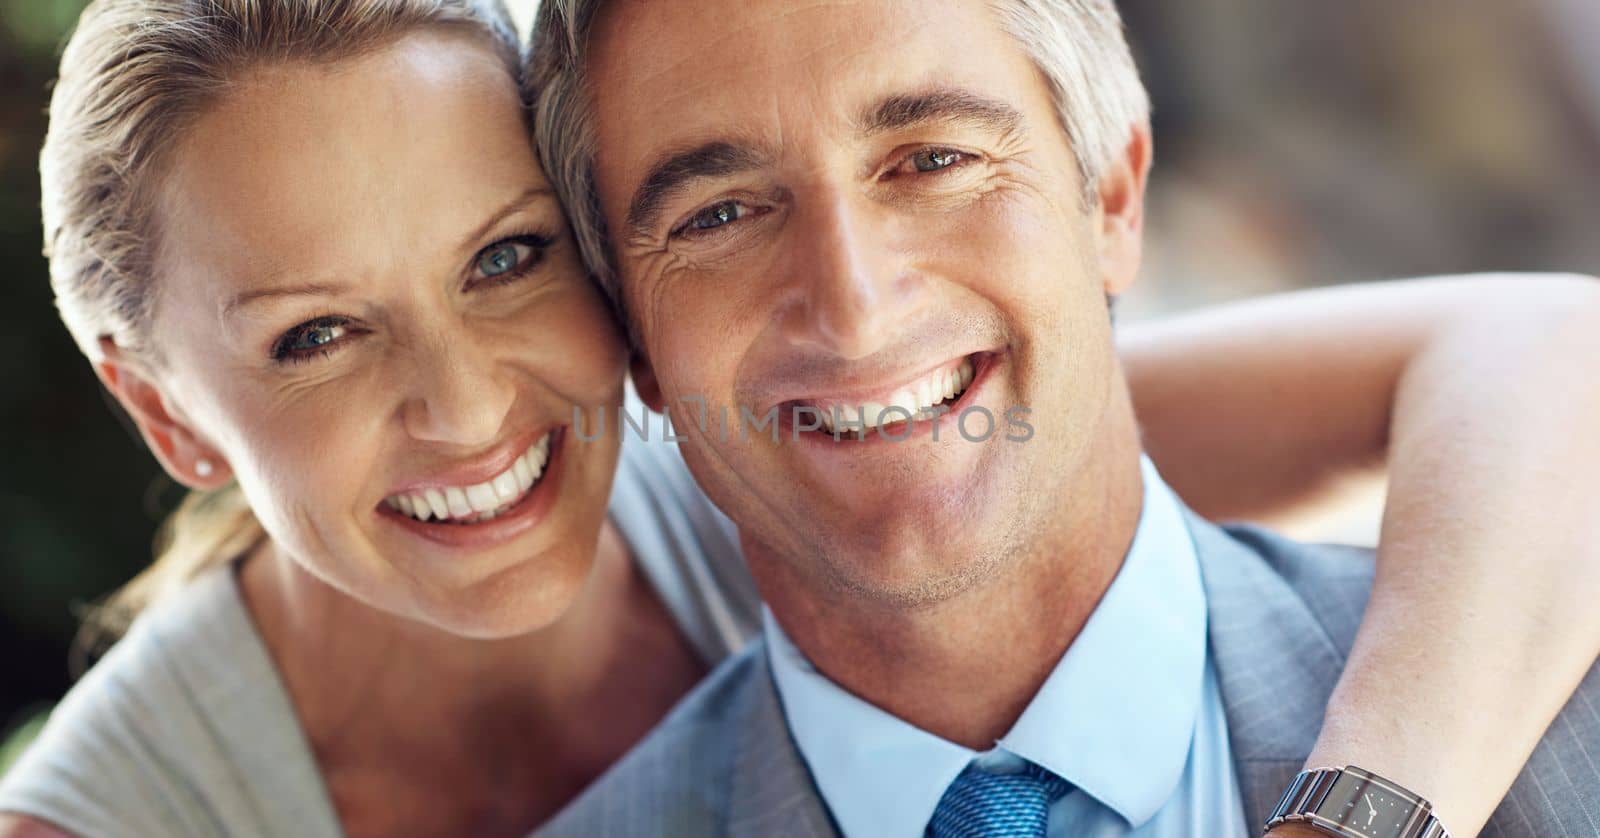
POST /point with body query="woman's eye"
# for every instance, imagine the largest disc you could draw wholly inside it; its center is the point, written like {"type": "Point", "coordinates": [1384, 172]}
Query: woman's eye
{"type": "Point", "coordinates": [508, 259]}
{"type": "Point", "coordinates": [309, 338]}
{"type": "Point", "coordinates": [718, 215]}
{"type": "Point", "coordinates": [499, 259]}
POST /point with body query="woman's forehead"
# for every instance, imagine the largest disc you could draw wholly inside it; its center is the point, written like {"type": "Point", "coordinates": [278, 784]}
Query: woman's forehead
{"type": "Point", "coordinates": [318, 167]}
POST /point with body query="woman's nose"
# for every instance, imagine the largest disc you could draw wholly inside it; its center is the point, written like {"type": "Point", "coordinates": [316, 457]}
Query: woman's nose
{"type": "Point", "coordinates": [461, 396]}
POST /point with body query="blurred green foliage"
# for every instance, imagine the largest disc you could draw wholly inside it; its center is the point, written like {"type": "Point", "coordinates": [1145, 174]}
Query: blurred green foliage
{"type": "Point", "coordinates": [39, 25]}
{"type": "Point", "coordinates": [81, 497]}
{"type": "Point", "coordinates": [16, 740]}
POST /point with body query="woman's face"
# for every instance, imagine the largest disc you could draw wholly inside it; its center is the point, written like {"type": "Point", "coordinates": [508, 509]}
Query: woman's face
{"type": "Point", "coordinates": [367, 306]}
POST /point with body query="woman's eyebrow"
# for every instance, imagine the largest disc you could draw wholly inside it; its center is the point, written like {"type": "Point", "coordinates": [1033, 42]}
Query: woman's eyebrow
{"type": "Point", "coordinates": [244, 299]}
{"type": "Point", "coordinates": [528, 198]}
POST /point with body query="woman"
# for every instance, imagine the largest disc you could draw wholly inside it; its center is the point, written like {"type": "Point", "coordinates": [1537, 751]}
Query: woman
{"type": "Point", "coordinates": [307, 246]}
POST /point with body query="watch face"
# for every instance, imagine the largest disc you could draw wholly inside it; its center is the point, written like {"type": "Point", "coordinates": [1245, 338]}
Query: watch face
{"type": "Point", "coordinates": [1367, 806]}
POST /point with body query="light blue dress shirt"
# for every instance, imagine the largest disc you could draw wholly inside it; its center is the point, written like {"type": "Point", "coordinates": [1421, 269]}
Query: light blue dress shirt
{"type": "Point", "coordinates": [1131, 716]}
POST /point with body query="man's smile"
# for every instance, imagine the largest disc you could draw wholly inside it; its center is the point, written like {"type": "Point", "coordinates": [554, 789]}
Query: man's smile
{"type": "Point", "coordinates": [856, 413]}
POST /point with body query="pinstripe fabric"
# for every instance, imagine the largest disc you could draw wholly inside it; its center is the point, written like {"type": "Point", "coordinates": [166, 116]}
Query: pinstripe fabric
{"type": "Point", "coordinates": [1282, 617]}
{"type": "Point", "coordinates": [980, 804]}
{"type": "Point", "coordinates": [721, 763]}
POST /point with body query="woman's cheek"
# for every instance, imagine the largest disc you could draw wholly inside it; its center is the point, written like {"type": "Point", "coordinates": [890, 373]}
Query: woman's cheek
{"type": "Point", "coordinates": [312, 450]}
{"type": "Point", "coordinates": [594, 353]}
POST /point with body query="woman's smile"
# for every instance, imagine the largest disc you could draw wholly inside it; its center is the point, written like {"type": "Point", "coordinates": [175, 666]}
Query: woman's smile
{"type": "Point", "coordinates": [447, 501]}
{"type": "Point", "coordinates": [487, 514]}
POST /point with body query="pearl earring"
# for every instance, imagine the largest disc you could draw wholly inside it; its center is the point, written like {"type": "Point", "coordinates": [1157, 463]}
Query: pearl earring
{"type": "Point", "coordinates": [202, 467]}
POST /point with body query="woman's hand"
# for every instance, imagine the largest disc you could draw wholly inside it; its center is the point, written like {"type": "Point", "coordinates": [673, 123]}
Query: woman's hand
{"type": "Point", "coordinates": [1295, 830]}
{"type": "Point", "coordinates": [1484, 396]}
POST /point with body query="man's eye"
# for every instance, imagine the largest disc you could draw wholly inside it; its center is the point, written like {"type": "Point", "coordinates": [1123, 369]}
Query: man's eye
{"type": "Point", "coordinates": [932, 160]}
{"type": "Point", "coordinates": [309, 338]}
{"type": "Point", "coordinates": [508, 259]}
{"type": "Point", "coordinates": [717, 215]}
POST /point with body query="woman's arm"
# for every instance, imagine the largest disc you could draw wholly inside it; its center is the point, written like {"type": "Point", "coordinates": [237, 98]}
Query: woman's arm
{"type": "Point", "coordinates": [1483, 394]}
{"type": "Point", "coordinates": [22, 826]}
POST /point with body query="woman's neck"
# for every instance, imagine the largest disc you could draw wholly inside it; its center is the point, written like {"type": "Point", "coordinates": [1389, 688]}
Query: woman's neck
{"type": "Point", "coordinates": [511, 728]}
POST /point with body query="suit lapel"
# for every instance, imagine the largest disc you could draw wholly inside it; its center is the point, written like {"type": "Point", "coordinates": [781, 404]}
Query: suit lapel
{"type": "Point", "coordinates": [772, 793]}
{"type": "Point", "coordinates": [1275, 664]}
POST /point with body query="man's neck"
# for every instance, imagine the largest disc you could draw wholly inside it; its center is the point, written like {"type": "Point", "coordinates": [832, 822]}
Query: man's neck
{"type": "Point", "coordinates": [967, 667]}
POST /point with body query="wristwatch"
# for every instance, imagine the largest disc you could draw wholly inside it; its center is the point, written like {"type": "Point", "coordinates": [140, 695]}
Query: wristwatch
{"type": "Point", "coordinates": [1354, 803]}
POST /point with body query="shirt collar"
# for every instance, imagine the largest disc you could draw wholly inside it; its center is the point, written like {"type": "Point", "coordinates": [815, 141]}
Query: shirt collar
{"type": "Point", "coordinates": [1115, 718]}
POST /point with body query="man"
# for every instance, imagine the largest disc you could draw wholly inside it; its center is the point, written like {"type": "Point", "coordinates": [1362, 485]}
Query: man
{"type": "Point", "coordinates": [902, 249]}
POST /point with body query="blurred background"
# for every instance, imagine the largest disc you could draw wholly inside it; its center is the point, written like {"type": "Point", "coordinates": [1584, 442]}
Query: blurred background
{"type": "Point", "coordinates": [1298, 143]}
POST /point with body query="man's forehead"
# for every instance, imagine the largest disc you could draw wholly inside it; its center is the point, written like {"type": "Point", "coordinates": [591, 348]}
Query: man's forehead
{"type": "Point", "coordinates": [700, 73]}
{"type": "Point", "coordinates": [659, 36]}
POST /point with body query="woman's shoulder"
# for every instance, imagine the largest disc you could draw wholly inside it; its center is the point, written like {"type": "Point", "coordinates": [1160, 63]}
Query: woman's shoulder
{"type": "Point", "coordinates": [182, 728]}
{"type": "Point", "coordinates": [686, 547]}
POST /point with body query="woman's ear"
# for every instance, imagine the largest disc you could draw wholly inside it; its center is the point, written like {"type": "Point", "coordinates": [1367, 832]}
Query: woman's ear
{"type": "Point", "coordinates": [187, 458]}
{"type": "Point", "coordinates": [1121, 194]}
{"type": "Point", "coordinates": [644, 382]}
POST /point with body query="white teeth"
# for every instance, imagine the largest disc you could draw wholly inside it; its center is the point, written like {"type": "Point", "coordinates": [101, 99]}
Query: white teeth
{"type": "Point", "coordinates": [916, 400]}
{"type": "Point", "coordinates": [482, 497]}
{"type": "Point", "coordinates": [436, 502]}
{"type": "Point", "coordinates": [505, 486]}
{"type": "Point", "coordinates": [480, 501]}
{"type": "Point", "coordinates": [523, 473]}
{"type": "Point", "coordinates": [460, 507]}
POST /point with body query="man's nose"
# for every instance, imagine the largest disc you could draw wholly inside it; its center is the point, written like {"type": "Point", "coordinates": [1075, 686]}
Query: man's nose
{"type": "Point", "coordinates": [854, 289]}
{"type": "Point", "coordinates": [460, 395]}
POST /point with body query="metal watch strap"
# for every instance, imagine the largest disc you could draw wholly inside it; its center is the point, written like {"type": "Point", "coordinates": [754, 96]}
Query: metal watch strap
{"type": "Point", "coordinates": [1431, 828]}
{"type": "Point", "coordinates": [1311, 787]}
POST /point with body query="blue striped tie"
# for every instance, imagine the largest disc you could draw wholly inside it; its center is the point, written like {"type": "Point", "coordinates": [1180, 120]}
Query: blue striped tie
{"type": "Point", "coordinates": [984, 805]}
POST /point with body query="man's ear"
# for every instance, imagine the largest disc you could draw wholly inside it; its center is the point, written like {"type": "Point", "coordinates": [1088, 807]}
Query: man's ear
{"type": "Point", "coordinates": [1121, 193]}
{"type": "Point", "coordinates": [644, 382]}
{"type": "Point", "coordinates": [184, 455]}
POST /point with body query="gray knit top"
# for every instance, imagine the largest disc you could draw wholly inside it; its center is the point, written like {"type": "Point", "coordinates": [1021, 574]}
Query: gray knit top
{"type": "Point", "coordinates": [185, 729]}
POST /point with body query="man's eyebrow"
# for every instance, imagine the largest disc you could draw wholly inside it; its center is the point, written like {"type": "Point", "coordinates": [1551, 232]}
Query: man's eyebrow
{"type": "Point", "coordinates": [526, 199]}
{"type": "Point", "coordinates": [672, 175]}
{"type": "Point", "coordinates": [941, 104]}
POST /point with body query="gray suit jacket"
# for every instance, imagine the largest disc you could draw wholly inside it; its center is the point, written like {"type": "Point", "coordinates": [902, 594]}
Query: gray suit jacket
{"type": "Point", "coordinates": [1282, 619]}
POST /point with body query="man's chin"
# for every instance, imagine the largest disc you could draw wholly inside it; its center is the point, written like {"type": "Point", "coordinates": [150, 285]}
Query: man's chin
{"type": "Point", "coordinates": [887, 487]}
{"type": "Point", "coordinates": [900, 562]}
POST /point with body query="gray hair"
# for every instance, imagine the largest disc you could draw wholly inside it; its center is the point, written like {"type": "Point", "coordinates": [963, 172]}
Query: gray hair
{"type": "Point", "coordinates": [1077, 44]}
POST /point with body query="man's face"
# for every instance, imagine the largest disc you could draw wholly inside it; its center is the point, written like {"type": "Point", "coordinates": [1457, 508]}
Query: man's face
{"type": "Point", "coordinates": [845, 203]}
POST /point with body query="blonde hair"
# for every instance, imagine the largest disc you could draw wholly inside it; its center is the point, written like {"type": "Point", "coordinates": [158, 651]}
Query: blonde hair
{"type": "Point", "coordinates": [134, 75]}
{"type": "Point", "coordinates": [1077, 44]}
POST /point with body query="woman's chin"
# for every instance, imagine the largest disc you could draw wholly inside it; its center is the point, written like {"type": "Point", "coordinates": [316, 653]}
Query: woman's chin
{"type": "Point", "coordinates": [519, 600]}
